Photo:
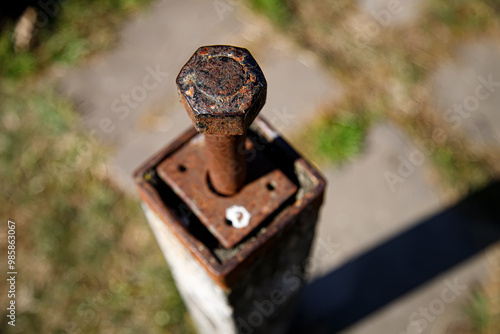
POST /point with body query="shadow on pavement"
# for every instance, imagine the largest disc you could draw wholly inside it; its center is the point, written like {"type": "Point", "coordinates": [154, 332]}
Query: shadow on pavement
{"type": "Point", "coordinates": [369, 282]}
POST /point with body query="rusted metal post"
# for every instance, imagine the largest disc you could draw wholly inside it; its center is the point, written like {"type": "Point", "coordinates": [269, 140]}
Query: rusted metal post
{"type": "Point", "coordinates": [232, 205]}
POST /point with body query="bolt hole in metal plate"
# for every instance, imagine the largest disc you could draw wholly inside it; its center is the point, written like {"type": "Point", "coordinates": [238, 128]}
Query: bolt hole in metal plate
{"type": "Point", "coordinates": [265, 190]}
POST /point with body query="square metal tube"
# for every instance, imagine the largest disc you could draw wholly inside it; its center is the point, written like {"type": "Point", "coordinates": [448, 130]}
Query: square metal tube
{"type": "Point", "coordinates": [251, 287]}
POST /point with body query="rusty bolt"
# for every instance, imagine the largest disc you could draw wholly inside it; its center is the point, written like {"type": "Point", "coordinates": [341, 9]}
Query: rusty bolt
{"type": "Point", "coordinates": [223, 89]}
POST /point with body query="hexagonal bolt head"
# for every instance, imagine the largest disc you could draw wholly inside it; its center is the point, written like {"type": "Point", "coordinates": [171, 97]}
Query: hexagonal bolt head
{"type": "Point", "coordinates": [223, 89]}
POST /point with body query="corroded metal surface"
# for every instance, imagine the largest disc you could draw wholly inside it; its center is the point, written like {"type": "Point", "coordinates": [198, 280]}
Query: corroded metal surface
{"type": "Point", "coordinates": [226, 162]}
{"type": "Point", "coordinates": [229, 266]}
{"type": "Point", "coordinates": [223, 89]}
{"type": "Point", "coordinates": [233, 290]}
{"type": "Point", "coordinates": [267, 188]}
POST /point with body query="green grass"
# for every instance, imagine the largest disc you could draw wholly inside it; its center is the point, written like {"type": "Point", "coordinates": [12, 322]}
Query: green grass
{"type": "Point", "coordinates": [461, 16]}
{"type": "Point", "coordinates": [339, 139]}
{"type": "Point", "coordinates": [81, 28]}
{"type": "Point", "coordinates": [277, 10]}
{"type": "Point", "coordinates": [462, 173]}
{"type": "Point", "coordinates": [478, 312]}
{"type": "Point", "coordinates": [335, 138]}
{"type": "Point", "coordinates": [14, 65]}
{"type": "Point", "coordinates": [86, 259]}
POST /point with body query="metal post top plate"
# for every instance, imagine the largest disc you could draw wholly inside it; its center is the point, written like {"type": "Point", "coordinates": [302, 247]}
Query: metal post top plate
{"type": "Point", "coordinates": [228, 266]}
{"type": "Point", "coordinates": [267, 188]}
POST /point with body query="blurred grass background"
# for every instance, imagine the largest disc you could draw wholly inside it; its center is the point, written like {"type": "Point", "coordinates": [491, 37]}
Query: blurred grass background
{"type": "Point", "coordinates": [86, 260]}
{"type": "Point", "coordinates": [388, 77]}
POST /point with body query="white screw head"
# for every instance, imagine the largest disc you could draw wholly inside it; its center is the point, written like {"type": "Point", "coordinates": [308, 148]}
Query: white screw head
{"type": "Point", "coordinates": [238, 216]}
